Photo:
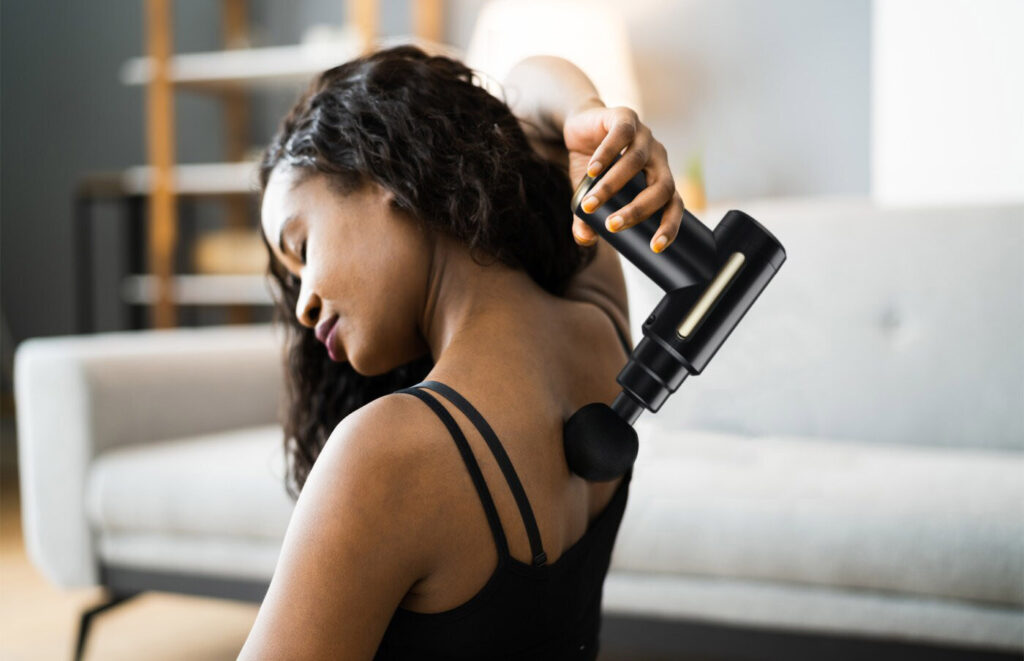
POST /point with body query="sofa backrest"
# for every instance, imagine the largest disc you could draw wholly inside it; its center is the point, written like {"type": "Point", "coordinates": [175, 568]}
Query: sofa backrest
{"type": "Point", "coordinates": [888, 325]}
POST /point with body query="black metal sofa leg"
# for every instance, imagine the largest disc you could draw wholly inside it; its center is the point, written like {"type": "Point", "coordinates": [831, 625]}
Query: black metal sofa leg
{"type": "Point", "coordinates": [86, 619]}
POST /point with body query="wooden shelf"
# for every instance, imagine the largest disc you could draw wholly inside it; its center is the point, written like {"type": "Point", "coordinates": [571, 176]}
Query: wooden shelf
{"type": "Point", "coordinates": [189, 179]}
{"type": "Point", "coordinates": [274, 67]}
{"type": "Point", "coordinates": [229, 74]}
{"type": "Point", "coordinates": [198, 178]}
{"type": "Point", "coordinates": [201, 289]}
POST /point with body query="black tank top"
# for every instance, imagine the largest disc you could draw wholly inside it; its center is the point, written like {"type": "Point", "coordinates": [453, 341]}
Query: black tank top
{"type": "Point", "coordinates": [530, 611]}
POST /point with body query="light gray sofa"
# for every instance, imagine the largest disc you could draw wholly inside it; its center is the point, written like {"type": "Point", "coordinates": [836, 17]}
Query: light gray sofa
{"type": "Point", "coordinates": [845, 478]}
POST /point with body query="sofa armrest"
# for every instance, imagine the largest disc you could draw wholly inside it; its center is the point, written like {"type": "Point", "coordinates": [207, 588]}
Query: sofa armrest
{"type": "Point", "coordinates": [77, 396]}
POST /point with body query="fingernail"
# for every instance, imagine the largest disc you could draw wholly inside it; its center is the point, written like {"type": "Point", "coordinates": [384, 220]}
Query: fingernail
{"type": "Point", "coordinates": [594, 168]}
{"type": "Point", "coordinates": [615, 223]}
{"type": "Point", "coordinates": [581, 240]}
{"type": "Point", "coordinates": [659, 244]}
{"type": "Point", "coordinates": [589, 204]}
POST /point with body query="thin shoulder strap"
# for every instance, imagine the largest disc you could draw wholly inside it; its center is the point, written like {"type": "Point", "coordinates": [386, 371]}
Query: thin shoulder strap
{"type": "Point", "coordinates": [474, 470]}
{"type": "Point", "coordinates": [539, 557]}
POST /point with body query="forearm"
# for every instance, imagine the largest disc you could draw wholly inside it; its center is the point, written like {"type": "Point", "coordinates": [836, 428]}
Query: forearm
{"type": "Point", "coordinates": [542, 90]}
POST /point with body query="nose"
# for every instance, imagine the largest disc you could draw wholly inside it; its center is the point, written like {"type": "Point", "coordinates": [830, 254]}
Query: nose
{"type": "Point", "coordinates": [307, 308]}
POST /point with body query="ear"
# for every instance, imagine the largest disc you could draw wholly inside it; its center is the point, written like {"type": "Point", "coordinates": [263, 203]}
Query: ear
{"type": "Point", "coordinates": [385, 195]}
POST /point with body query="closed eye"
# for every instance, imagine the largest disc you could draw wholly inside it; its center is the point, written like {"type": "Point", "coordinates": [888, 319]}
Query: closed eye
{"type": "Point", "coordinates": [302, 251]}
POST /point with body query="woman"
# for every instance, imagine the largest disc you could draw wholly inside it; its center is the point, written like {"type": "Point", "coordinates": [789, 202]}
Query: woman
{"type": "Point", "coordinates": [418, 237]}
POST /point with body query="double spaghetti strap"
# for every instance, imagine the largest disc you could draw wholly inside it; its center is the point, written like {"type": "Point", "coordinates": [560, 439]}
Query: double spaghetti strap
{"type": "Point", "coordinates": [474, 470]}
{"type": "Point", "coordinates": [539, 556]}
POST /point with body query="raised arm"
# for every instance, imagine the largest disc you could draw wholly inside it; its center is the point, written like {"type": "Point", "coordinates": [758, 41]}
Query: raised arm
{"type": "Point", "coordinates": [567, 122]}
{"type": "Point", "coordinates": [542, 90]}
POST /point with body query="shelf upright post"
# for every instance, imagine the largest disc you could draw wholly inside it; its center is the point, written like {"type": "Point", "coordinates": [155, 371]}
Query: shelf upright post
{"type": "Point", "coordinates": [236, 130]}
{"type": "Point", "coordinates": [160, 146]}
{"type": "Point", "coordinates": [363, 14]}
{"type": "Point", "coordinates": [426, 20]}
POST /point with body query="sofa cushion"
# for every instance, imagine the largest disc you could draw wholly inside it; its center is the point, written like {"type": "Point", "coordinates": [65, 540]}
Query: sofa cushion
{"type": "Point", "coordinates": [884, 325]}
{"type": "Point", "coordinates": [228, 484]}
{"type": "Point", "coordinates": [818, 609]}
{"type": "Point", "coordinates": [942, 522]}
{"type": "Point", "coordinates": [216, 556]}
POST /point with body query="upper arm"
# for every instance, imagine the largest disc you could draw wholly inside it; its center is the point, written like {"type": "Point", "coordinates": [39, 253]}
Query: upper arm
{"type": "Point", "coordinates": [601, 282]}
{"type": "Point", "coordinates": [356, 543]}
{"type": "Point", "coordinates": [538, 86]}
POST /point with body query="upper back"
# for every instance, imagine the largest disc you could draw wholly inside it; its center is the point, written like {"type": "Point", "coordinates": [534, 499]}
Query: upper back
{"type": "Point", "coordinates": [505, 426]}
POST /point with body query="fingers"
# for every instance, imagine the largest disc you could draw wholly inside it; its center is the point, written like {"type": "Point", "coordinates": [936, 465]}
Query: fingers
{"type": "Point", "coordinates": [660, 193]}
{"type": "Point", "coordinates": [622, 126]}
{"type": "Point", "coordinates": [582, 232]}
{"type": "Point", "coordinates": [670, 221]}
{"type": "Point", "coordinates": [645, 205]}
{"type": "Point", "coordinates": [671, 218]}
{"type": "Point", "coordinates": [643, 152]}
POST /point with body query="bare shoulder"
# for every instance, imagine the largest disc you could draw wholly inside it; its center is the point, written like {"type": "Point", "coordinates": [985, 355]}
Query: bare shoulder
{"type": "Point", "coordinates": [385, 456]}
{"type": "Point", "coordinates": [388, 429]}
{"type": "Point", "coordinates": [363, 533]}
{"type": "Point", "coordinates": [393, 444]}
{"type": "Point", "coordinates": [399, 444]}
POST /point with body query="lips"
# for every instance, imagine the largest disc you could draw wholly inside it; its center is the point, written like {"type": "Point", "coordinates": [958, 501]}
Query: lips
{"type": "Point", "coordinates": [330, 344]}
{"type": "Point", "coordinates": [324, 328]}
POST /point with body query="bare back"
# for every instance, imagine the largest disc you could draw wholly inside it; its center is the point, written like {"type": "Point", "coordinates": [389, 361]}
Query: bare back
{"type": "Point", "coordinates": [525, 385]}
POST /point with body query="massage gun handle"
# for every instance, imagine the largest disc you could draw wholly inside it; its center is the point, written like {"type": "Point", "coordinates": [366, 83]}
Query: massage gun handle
{"type": "Point", "coordinates": [710, 278]}
{"type": "Point", "coordinates": [689, 259]}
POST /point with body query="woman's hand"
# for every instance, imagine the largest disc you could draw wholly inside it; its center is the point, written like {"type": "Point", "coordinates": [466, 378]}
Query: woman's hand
{"type": "Point", "coordinates": [594, 135]}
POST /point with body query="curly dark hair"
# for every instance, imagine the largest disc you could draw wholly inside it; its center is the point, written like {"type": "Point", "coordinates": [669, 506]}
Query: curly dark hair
{"type": "Point", "coordinates": [457, 160]}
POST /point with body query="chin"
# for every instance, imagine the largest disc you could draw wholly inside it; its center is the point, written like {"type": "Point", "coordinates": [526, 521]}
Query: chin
{"type": "Point", "coordinates": [372, 367]}
{"type": "Point", "coordinates": [364, 364]}
{"type": "Point", "coordinates": [378, 363]}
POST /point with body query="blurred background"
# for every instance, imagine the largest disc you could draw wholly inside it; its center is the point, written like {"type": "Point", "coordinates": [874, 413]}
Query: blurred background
{"type": "Point", "coordinates": [129, 198]}
{"type": "Point", "coordinates": [774, 97]}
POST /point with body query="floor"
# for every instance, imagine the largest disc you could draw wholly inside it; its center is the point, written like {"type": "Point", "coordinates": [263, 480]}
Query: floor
{"type": "Point", "coordinates": [40, 621]}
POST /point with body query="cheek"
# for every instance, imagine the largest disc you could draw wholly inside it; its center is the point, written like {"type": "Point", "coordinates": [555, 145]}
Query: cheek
{"type": "Point", "coordinates": [401, 285]}
{"type": "Point", "coordinates": [399, 292]}
{"type": "Point", "coordinates": [383, 290]}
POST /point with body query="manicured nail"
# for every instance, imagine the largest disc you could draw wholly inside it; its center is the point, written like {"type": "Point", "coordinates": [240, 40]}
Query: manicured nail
{"type": "Point", "coordinates": [594, 168]}
{"type": "Point", "coordinates": [581, 239]}
{"type": "Point", "coordinates": [589, 204]}
{"type": "Point", "coordinates": [659, 244]}
{"type": "Point", "coordinates": [615, 223]}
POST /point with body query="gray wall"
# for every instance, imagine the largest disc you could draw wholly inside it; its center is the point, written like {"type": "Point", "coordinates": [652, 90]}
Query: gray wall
{"type": "Point", "coordinates": [65, 113]}
{"type": "Point", "coordinates": [774, 94]}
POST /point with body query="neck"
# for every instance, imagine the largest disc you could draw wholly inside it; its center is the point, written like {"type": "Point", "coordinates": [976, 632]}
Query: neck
{"type": "Point", "coordinates": [468, 305]}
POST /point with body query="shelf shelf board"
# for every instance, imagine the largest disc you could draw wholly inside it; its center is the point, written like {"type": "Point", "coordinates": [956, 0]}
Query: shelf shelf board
{"type": "Point", "coordinates": [271, 67]}
{"type": "Point", "coordinates": [195, 289]}
{"type": "Point", "coordinates": [198, 178]}
{"type": "Point", "coordinates": [241, 178]}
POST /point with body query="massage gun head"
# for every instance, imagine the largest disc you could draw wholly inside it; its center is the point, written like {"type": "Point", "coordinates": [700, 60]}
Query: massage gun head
{"type": "Point", "coordinates": [599, 444]}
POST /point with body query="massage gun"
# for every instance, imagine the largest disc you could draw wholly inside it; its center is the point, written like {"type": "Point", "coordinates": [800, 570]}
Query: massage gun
{"type": "Point", "coordinates": [711, 278]}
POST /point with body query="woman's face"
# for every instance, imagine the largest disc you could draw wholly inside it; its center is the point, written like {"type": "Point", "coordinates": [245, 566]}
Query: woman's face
{"type": "Point", "coordinates": [358, 258]}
